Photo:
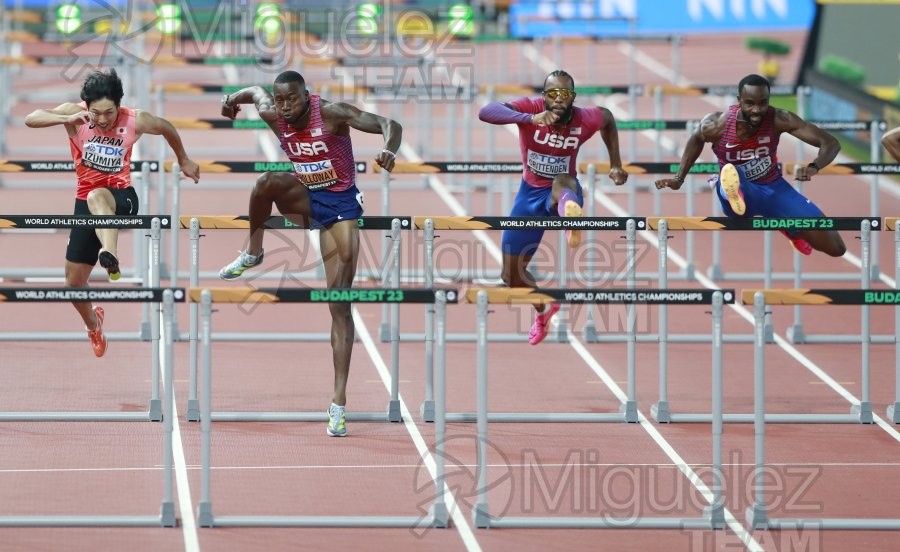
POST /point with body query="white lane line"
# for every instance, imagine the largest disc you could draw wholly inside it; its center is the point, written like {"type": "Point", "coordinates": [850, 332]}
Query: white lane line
{"type": "Point", "coordinates": [695, 480]}
{"type": "Point", "coordinates": [459, 521]}
{"type": "Point", "coordinates": [745, 313]}
{"type": "Point", "coordinates": [183, 490]}
{"type": "Point", "coordinates": [680, 261]}
{"type": "Point", "coordinates": [666, 447]}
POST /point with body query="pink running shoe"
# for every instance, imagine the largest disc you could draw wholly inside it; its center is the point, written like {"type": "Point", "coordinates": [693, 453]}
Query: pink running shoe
{"type": "Point", "coordinates": [541, 321]}
{"type": "Point", "coordinates": [799, 244]}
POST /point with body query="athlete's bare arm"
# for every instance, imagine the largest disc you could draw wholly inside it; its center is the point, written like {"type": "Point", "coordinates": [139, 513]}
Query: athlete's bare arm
{"type": "Point", "coordinates": [891, 142]}
{"type": "Point", "coordinates": [256, 95]}
{"type": "Point", "coordinates": [340, 117]}
{"type": "Point", "coordinates": [610, 135]}
{"type": "Point", "coordinates": [70, 114]}
{"type": "Point", "coordinates": [785, 121]}
{"type": "Point", "coordinates": [711, 128]}
{"type": "Point", "coordinates": [148, 123]}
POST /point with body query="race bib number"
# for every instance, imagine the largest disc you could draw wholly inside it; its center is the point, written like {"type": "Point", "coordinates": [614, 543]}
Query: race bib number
{"type": "Point", "coordinates": [755, 168]}
{"type": "Point", "coordinates": [316, 175]}
{"type": "Point", "coordinates": [548, 166]}
{"type": "Point", "coordinates": [104, 158]}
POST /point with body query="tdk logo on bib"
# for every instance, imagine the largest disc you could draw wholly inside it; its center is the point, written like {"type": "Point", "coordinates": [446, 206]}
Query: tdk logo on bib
{"type": "Point", "coordinates": [549, 166]}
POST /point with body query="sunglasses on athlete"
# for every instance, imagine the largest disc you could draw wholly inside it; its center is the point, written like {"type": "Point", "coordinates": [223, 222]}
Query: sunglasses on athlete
{"type": "Point", "coordinates": [559, 93]}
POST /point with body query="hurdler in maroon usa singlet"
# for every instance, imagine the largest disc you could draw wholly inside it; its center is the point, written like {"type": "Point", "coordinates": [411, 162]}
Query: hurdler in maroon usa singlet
{"type": "Point", "coordinates": [322, 161]}
{"type": "Point", "coordinates": [755, 158]}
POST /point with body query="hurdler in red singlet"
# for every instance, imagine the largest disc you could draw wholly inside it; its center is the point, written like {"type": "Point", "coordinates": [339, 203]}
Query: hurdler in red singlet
{"type": "Point", "coordinates": [101, 135]}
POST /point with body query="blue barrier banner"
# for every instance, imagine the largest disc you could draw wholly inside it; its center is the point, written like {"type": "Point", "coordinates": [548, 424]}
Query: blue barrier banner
{"type": "Point", "coordinates": [618, 18]}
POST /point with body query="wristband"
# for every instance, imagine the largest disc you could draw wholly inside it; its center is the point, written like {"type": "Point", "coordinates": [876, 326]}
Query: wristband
{"type": "Point", "coordinates": [812, 165]}
{"type": "Point", "coordinates": [678, 178]}
{"type": "Point", "coordinates": [225, 99]}
{"type": "Point", "coordinates": [389, 152]}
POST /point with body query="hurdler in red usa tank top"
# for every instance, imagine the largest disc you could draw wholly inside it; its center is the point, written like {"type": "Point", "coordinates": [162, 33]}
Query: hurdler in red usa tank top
{"type": "Point", "coordinates": [755, 158]}
{"type": "Point", "coordinates": [322, 161]}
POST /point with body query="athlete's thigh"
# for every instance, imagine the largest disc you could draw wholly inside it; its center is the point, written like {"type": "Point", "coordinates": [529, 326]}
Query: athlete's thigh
{"type": "Point", "coordinates": [340, 251]}
{"type": "Point", "coordinates": [83, 245]}
{"type": "Point", "coordinates": [529, 202]}
{"type": "Point", "coordinates": [126, 199]}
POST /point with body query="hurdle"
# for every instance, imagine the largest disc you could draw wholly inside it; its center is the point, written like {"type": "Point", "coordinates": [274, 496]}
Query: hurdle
{"type": "Point", "coordinates": [757, 515]}
{"type": "Point", "coordinates": [140, 182]}
{"type": "Point", "coordinates": [392, 296]}
{"type": "Point", "coordinates": [863, 414]}
{"type": "Point", "coordinates": [867, 226]}
{"type": "Point", "coordinates": [168, 297]}
{"type": "Point", "coordinates": [246, 167]}
{"type": "Point", "coordinates": [716, 271]}
{"type": "Point", "coordinates": [714, 515]}
{"type": "Point", "coordinates": [628, 411]}
{"type": "Point", "coordinates": [859, 413]}
{"type": "Point", "coordinates": [893, 410]}
{"type": "Point", "coordinates": [438, 512]}
{"type": "Point", "coordinates": [149, 268]}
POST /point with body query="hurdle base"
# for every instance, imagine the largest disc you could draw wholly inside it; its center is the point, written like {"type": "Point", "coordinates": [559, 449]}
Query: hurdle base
{"type": "Point", "coordinates": [838, 524]}
{"type": "Point", "coordinates": [205, 515]}
{"type": "Point", "coordinates": [863, 411]}
{"type": "Point", "coordinates": [757, 517]}
{"type": "Point", "coordinates": [589, 333]}
{"type": "Point", "coordinates": [893, 413]}
{"type": "Point", "coordinates": [823, 418]}
{"type": "Point", "coordinates": [384, 332]}
{"type": "Point", "coordinates": [603, 522]}
{"type": "Point", "coordinates": [440, 516]}
{"type": "Point", "coordinates": [74, 417]}
{"type": "Point", "coordinates": [323, 521]}
{"type": "Point", "coordinates": [155, 411]}
{"type": "Point", "coordinates": [193, 410]}
{"type": "Point", "coordinates": [537, 417]}
{"type": "Point", "coordinates": [79, 521]}
{"type": "Point", "coordinates": [167, 514]}
{"type": "Point", "coordinates": [715, 515]}
{"type": "Point", "coordinates": [795, 334]}
{"type": "Point", "coordinates": [145, 331]}
{"type": "Point", "coordinates": [322, 416]}
{"type": "Point", "coordinates": [427, 411]}
{"type": "Point", "coordinates": [629, 411]}
{"type": "Point", "coordinates": [481, 517]}
{"type": "Point", "coordinates": [393, 412]}
{"type": "Point", "coordinates": [660, 412]}
{"type": "Point", "coordinates": [714, 272]}
{"type": "Point", "coordinates": [560, 333]}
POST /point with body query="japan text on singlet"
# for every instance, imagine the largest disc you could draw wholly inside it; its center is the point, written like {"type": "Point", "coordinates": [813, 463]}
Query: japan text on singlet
{"type": "Point", "coordinates": [103, 158]}
{"type": "Point", "coordinates": [321, 160]}
{"type": "Point", "coordinates": [549, 151]}
{"type": "Point", "coordinates": [757, 157]}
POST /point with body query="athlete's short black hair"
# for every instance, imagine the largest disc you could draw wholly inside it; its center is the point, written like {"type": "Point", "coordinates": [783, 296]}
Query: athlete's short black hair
{"type": "Point", "coordinates": [753, 80]}
{"type": "Point", "coordinates": [559, 73]}
{"type": "Point", "coordinates": [99, 85]}
{"type": "Point", "coordinates": [289, 76]}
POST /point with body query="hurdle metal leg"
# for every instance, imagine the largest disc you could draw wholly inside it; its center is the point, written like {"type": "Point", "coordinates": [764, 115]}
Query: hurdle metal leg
{"type": "Point", "coordinates": [893, 411]}
{"type": "Point", "coordinates": [166, 517]}
{"type": "Point", "coordinates": [438, 515]}
{"type": "Point", "coordinates": [713, 516]}
{"type": "Point", "coordinates": [757, 515]}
